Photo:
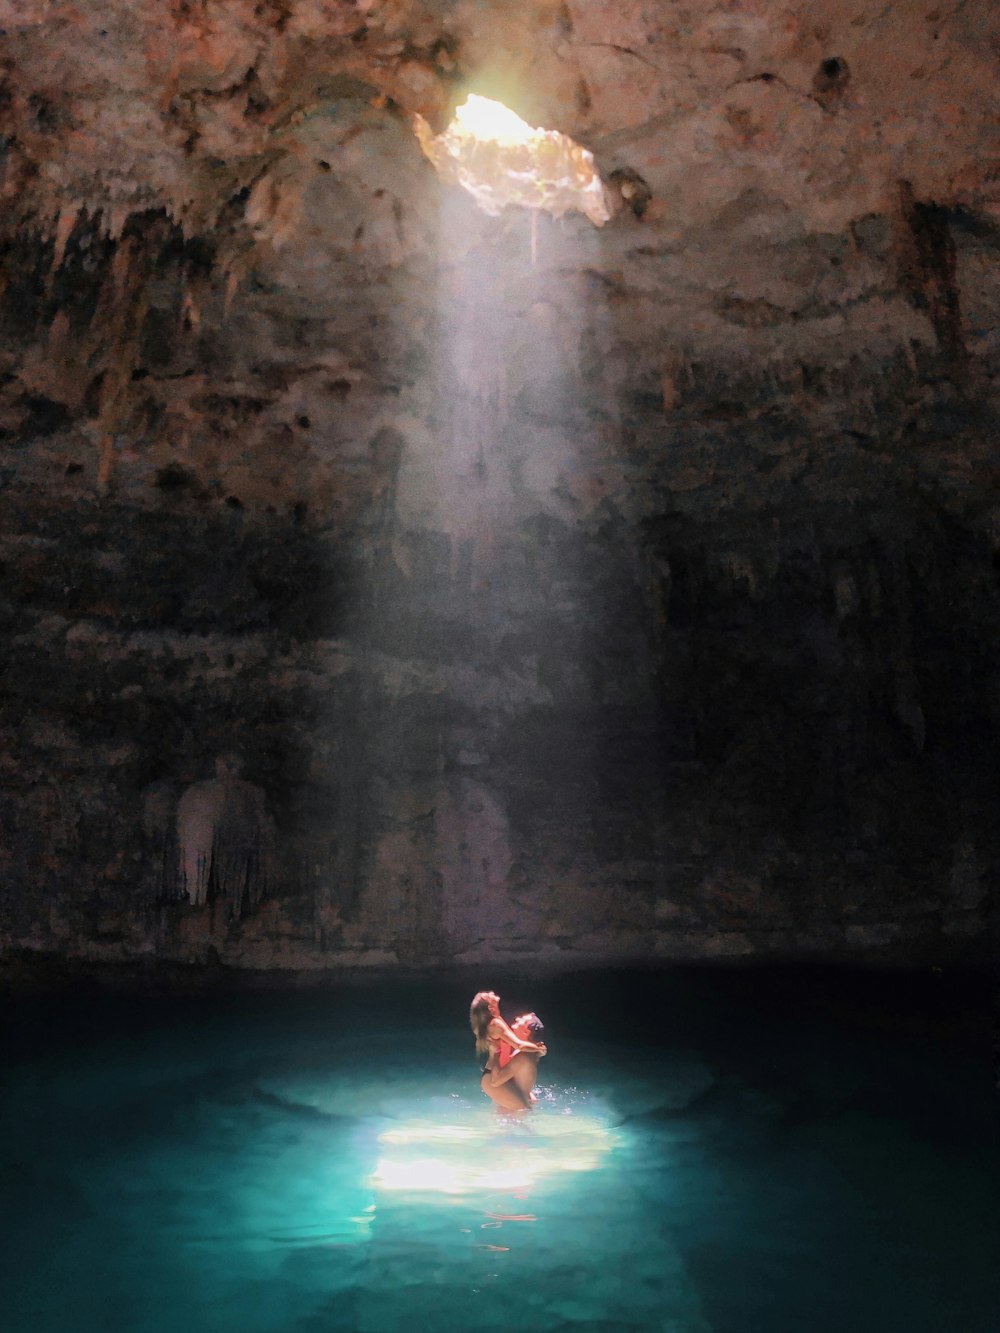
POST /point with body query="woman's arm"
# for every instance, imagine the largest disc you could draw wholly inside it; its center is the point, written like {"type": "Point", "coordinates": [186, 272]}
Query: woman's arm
{"type": "Point", "coordinates": [499, 1031]}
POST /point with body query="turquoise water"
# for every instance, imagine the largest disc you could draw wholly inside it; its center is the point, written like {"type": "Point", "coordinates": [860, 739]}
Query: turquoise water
{"type": "Point", "coordinates": [712, 1151]}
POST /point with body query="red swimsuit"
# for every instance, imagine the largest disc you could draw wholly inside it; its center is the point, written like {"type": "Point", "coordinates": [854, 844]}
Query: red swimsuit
{"type": "Point", "coordinates": [519, 1029]}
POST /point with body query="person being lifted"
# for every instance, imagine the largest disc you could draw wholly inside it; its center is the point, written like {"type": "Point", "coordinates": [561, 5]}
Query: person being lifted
{"type": "Point", "coordinates": [506, 1080]}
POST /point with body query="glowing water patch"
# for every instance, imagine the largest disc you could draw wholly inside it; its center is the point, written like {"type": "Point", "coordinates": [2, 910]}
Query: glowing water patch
{"type": "Point", "coordinates": [500, 159]}
{"type": "Point", "coordinates": [430, 1157]}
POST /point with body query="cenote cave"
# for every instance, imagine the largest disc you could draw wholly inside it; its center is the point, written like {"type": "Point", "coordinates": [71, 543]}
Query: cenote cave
{"type": "Point", "coordinates": [499, 496]}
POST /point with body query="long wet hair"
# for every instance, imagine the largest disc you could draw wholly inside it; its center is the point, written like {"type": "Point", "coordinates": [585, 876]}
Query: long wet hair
{"type": "Point", "coordinates": [480, 1019]}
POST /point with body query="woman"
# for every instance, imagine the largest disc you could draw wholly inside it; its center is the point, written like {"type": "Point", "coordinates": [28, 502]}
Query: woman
{"type": "Point", "coordinates": [508, 1086]}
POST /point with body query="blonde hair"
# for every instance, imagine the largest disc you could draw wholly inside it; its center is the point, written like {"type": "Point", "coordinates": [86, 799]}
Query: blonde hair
{"type": "Point", "coordinates": [480, 1019]}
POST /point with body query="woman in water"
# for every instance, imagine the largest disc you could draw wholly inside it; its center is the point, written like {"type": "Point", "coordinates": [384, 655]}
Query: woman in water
{"type": "Point", "coordinates": [509, 1091]}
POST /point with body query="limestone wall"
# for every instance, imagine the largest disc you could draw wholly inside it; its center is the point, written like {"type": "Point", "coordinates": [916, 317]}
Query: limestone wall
{"type": "Point", "coordinates": [566, 593]}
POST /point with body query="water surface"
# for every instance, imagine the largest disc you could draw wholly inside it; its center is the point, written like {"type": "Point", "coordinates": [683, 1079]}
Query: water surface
{"type": "Point", "coordinates": [714, 1152]}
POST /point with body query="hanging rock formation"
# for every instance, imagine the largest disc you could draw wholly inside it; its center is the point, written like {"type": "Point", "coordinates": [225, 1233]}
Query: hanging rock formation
{"type": "Point", "coordinates": [224, 840]}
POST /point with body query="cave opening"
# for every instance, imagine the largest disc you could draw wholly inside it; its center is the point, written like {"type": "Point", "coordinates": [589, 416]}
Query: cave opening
{"type": "Point", "coordinates": [501, 160]}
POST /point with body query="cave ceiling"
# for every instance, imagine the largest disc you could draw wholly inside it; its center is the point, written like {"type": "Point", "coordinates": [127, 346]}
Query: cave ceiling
{"type": "Point", "coordinates": [784, 175]}
{"type": "Point", "coordinates": [821, 107]}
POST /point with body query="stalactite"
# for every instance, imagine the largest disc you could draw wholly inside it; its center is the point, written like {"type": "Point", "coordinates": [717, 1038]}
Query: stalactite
{"type": "Point", "coordinates": [927, 265]}
{"type": "Point", "coordinates": [225, 837]}
{"type": "Point", "coordinates": [190, 311]}
{"type": "Point", "coordinates": [670, 376]}
{"type": "Point", "coordinates": [115, 219]}
{"type": "Point", "coordinates": [58, 336]}
{"type": "Point", "coordinates": [65, 223]}
{"type": "Point", "coordinates": [129, 305]}
{"type": "Point", "coordinates": [233, 277]}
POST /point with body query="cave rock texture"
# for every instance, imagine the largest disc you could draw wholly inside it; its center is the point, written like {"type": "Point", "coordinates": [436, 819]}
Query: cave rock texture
{"type": "Point", "coordinates": [569, 592]}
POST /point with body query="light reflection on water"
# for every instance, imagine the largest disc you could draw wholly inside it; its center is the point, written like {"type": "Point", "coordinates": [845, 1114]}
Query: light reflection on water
{"type": "Point", "coordinates": [485, 1151]}
{"type": "Point", "coordinates": [252, 1197]}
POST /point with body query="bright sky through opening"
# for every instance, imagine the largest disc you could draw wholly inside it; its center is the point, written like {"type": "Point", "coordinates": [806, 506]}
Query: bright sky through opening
{"type": "Point", "coordinates": [500, 159]}
{"type": "Point", "coordinates": [483, 118]}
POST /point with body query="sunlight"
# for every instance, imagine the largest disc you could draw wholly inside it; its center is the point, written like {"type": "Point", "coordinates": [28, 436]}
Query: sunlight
{"type": "Point", "coordinates": [482, 118]}
{"type": "Point", "coordinates": [500, 159]}
{"type": "Point", "coordinates": [428, 1157]}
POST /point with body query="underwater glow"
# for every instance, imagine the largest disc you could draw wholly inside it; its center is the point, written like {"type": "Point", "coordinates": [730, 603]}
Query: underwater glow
{"type": "Point", "coordinates": [500, 159]}
{"type": "Point", "coordinates": [430, 1157]}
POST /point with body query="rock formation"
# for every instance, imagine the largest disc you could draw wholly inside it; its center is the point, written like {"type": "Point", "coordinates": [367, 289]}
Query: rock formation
{"type": "Point", "coordinates": [573, 591]}
{"type": "Point", "coordinates": [224, 840]}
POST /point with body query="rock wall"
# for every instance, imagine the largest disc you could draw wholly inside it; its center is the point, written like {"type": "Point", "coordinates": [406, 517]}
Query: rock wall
{"type": "Point", "coordinates": [590, 594]}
